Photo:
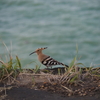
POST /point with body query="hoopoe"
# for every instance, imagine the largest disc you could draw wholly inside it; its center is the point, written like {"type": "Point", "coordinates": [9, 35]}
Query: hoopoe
{"type": "Point", "coordinates": [47, 60]}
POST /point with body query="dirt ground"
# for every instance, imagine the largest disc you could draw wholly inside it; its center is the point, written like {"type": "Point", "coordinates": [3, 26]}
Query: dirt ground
{"type": "Point", "coordinates": [24, 93]}
{"type": "Point", "coordinates": [30, 86]}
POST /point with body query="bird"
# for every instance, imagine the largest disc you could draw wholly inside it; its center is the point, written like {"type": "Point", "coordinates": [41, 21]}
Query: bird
{"type": "Point", "coordinates": [45, 59]}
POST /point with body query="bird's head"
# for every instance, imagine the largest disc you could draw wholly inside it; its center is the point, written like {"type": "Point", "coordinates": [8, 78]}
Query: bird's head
{"type": "Point", "coordinates": [38, 51]}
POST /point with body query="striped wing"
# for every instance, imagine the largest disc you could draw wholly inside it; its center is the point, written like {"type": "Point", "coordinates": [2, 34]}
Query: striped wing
{"type": "Point", "coordinates": [49, 62]}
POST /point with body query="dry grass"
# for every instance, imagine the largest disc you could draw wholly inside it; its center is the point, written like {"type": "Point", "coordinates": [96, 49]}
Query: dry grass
{"type": "Point", "coordinates": [9, 68]}
{"type": "Point", "coordinates": [74, 74]}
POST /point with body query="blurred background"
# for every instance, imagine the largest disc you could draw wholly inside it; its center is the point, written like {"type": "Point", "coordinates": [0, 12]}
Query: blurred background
{"type": "Point", "coordinates": [26, 25]}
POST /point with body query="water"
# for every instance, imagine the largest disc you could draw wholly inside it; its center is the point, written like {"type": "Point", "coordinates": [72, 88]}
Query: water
{"type": "Point", "coordinates": [56, 24]}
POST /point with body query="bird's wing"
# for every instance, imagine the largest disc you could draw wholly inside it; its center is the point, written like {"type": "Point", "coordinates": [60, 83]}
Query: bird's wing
{"type": "Point", "coordinates": [50, 62]}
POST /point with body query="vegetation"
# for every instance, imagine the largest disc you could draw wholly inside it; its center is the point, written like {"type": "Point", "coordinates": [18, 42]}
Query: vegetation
{"type": "Point", "coordinates": [9, 69]}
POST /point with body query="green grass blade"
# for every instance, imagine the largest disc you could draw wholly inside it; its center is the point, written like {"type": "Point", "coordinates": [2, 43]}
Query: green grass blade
{"type": "Point", "coordinates": [72, 62]}
{"type": "Point", "coordinates": [37, 68]}
{"type": "Point", "coordinates": [18, 61]}
{"type": "Point", "coordinates": [73, 79]}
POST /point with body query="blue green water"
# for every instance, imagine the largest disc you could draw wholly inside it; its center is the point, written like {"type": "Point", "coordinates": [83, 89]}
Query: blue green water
{"type": "Point", "coordinates": [56, 24]}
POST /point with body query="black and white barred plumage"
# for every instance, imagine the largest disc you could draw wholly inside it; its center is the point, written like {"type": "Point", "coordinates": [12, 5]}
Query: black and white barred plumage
{"type": "Point", "coordinates": [49, 62]}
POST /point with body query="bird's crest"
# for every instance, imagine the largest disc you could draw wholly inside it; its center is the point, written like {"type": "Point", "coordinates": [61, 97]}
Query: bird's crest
{"type": "Point", "coordinates": [41, 48]}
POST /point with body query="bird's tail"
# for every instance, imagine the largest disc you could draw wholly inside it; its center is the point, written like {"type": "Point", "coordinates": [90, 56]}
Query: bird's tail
{"type": "Point", "coordinates": [64, 65]}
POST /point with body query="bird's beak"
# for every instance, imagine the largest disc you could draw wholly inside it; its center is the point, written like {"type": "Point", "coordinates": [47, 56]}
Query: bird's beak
{"type": "Point", "coordinates": [32, 53]}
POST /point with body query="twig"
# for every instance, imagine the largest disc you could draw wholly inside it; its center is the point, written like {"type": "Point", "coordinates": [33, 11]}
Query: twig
{"type": "Point", "coordinates": [35, 74]}
{"type": "Point", "coordinates": [67, 89]}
